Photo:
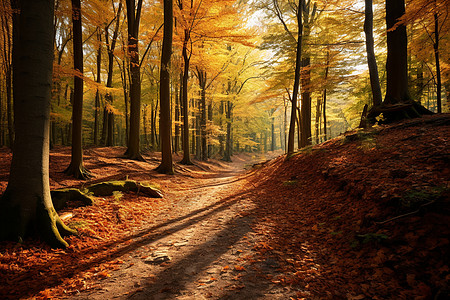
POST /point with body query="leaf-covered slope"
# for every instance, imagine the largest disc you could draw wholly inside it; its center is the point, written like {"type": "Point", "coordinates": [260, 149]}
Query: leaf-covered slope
{"type": "Point", "coordinates": [365, 215]}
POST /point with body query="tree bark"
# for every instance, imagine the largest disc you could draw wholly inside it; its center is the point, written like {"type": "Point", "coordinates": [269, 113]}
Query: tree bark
{"type": "Point", "coordinates": [99, 80]}
{"type": "Point", "coordinates": [396, 65]}
{"type": "Point", "coordinates": [228, 141]}
{"type": "Point", "coordinates": [438, 67]}
{"type": "Point", "coordinates": [371, 60]}
{"type": "Point", "coordinates": [26, 211]}
{"type": "Point", "coordinates": [202, 115]}
{"type": "Point", "coordinates": [110, 46]}
{"type": "Point", "coordinates": [298, 61]}
{"type": "Point", "coordinates": [165, 122]}
{"type": "Point", "coordinates": [305, 120]}
{"type": "Point", "coordinates": [397, 103]}
{"type": "Point", "coordinates": [133, 16]}
{"type": "Point", "coordinates": [185, 103]}
{"type": "Point", "coordinates": [76, 167]}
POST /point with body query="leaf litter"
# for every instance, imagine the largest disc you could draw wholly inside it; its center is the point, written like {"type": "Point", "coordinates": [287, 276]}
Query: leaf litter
{"type": "Point", "coordinates": [358, 220]}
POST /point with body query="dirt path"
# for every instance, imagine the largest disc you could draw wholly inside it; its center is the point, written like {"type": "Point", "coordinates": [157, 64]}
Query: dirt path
{"type": "Point", "coordinates": [202, 247]}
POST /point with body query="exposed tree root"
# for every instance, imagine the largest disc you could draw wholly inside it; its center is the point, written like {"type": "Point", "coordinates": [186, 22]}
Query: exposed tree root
{"type": "Point", "coordinates": [186, 162]}
{"type": "Point", "coordinates": [107, 188]}
{"type": "Point", "coordinates": [164, 169]}
{"type": "Point", "coordinates": [133, 155]}
{"type": "Point", "coordinates": [78, 171]}
{"type": "Point", "coordinates": [397, 112]}
{"type": "Point", "coordinates": [62, 196]}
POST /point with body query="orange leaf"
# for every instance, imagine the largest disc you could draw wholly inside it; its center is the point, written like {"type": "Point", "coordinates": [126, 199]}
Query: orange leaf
{"type": "Point", "coordinates": [239, 268]}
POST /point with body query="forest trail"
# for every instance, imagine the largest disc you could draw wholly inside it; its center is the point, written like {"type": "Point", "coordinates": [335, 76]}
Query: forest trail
{"type": "Point", "coordinates": [197, 248]}
{"type": "Point", "coordinates": [362, 216]}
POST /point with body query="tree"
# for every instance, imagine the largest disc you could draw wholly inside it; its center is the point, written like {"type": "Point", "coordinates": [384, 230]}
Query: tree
{"type": "Point", "coordinates": [110, 46]}
{"type": "Point", "coordinates": [298, 61]}
{"type": "Point", "coordinates": [371, 60]}
{"type": "Point", "coordinates": [397, 103]}
{"type": "Point", "coordinates": [165, 123]}
{"type": "Point", "coordinates": [76, 167]}
{"type": "Point", "coordinates": [7, 56]}
{"type": "Point", "coordinates": [26, 207]}
{"type": "Point", "coordinates": [133, 18]}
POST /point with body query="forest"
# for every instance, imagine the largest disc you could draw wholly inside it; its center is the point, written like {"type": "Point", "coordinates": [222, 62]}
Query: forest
{"type": "Point", "coordinates": [225, 149]}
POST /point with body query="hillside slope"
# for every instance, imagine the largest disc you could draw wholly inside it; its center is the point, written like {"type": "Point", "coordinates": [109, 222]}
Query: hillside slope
{"type": "Point", "coordinates": [363, 216]}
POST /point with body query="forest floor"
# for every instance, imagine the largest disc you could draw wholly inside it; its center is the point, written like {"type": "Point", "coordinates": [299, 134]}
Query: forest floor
{"type": "Point", "coordinates": [362, 216]}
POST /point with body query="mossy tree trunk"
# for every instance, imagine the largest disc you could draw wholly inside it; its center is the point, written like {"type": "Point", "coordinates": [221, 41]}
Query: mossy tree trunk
{"type": "Point", "coordinates": [26, 211]}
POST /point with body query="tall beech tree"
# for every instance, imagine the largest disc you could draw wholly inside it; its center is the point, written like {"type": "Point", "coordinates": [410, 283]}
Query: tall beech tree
{"type": "Point", "coordinates": [397, 103]}
{"type": "Point", "coordinates": [133, 18]}
{"type": "Point", "coordinates": [76, 167]}
{"type": "Point", "coordinates": [26, 207]}
{"type": "Point", "coordinates": [165, 123]}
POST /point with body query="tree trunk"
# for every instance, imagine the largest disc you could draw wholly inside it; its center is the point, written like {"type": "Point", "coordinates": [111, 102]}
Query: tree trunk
{"type": "Point", "coordinates": [176, 147]}
{"type": "Point", "coordinates": [185, 103]}
{"type": "Point", "coordinates": [371, 60]}
{"type": "Point", "coordinates": [396, 65]}
{"type": "Point", "coordinates": [324, 103]}
{"type": "Point", "coordinates": [202, 115]}
{"type": "Point", "coordinates": [397, 103]}
{"type": "Point", "coordinates": [438, 67]}
{"type": "Point", "coordinates": [298, 60]}
{"type": "Point", "coordinates": [24, 210]}
{"type": "Point", "coordinates": [76, 167]}
{"type": "Point", "coordinates": [228, 140]}
{"type": "Point", "coordinates": [165, 122]}
{"type": "Point", "coordinates": [111, 45]}
{"type": "Point", "coordinates": [133, 16]}
{"type": "Point", "coordinates": [221, 112]}
{"type": "Point", "coordinates": [305, 119]}
{"type": "Point", "coordinates": [99, 80]}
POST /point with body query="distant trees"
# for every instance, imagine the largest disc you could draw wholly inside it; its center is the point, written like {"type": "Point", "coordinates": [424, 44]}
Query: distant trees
{"type": "Point", "coordinates": [315, 60]}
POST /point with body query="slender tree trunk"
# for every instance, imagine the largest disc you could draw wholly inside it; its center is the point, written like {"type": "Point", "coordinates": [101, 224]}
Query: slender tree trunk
{"type": "Point", "coordinates": [221, 112]}
{"type": "Point", "coordinates": [318, 115]}
{"type": "Point", "coordinates": [133, 16]}
{"type": "Point", "coordinates": [438, 67]}
{"type": "Point", "coordinates": [203, 150]}
{"type": "Point", "coordinates": [97, 94]}
{"type": "Point", "coordinates": [306, 103]}
{"type": "Point", "coordinates": [111, 45]}
{"type": "Point", "coordinates": [210, 122]}
{"type": "Point", "coordinates": [371, 60]}
{"type": "Point", "coordinates": [165, 122]}
{"type": "Point", "coordinates": [152, 129]}
{"type": "Point", "coordinates": [76, 167]}
{"type": "Point", "coordinates": [144, 116]}
{"type": "Point", "coordinates": [298, 60]}
{"type": "Point", "coordinates": [27, 209]}
{"type": "Point", "coordinates": [177, 118]}
{"type": "Point", "coordinates": [185, 103]}
{"type": "Point", "coordinates": [228, 139]}
{"type": "Point", "coordinates": [324, 103]}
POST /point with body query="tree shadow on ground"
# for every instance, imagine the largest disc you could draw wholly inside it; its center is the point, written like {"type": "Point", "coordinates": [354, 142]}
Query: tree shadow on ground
{"type": "Point", "coordinates": [44, 278]}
